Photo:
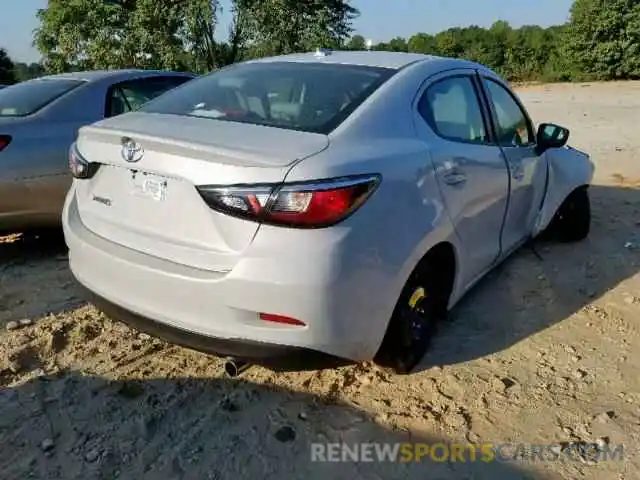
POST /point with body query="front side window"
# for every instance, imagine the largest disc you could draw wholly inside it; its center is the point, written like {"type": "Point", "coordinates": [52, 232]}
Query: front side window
{"type": "Point", "coordinates": [513, 128]}
{"type": "Point", "coordinates": [310, 97]}
{"type": "Point", "coordinates": [28, 97]}
{"type": "Point", "coordinates": [452, 110]}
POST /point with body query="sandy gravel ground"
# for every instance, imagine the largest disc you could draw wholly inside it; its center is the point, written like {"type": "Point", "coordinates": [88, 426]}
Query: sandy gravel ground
{"type": "Point", "coordinates": [545, 350]}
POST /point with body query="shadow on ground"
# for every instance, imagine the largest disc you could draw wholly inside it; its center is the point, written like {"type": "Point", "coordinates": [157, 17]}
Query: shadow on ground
{"type": "Point", "coordinates": [535, 290]}
{"type": "Point", "coordinates": [195, 429]}
{"type": "Point", "coordinates": [17, 249]}
{"type": "Point", "coordinates": [34, 278]}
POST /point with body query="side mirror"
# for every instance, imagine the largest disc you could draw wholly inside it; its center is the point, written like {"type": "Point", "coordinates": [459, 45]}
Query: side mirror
{"type": "Point", "coordinates": [551, 136]}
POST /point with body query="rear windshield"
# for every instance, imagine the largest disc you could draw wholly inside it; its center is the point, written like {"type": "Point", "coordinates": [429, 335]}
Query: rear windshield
{"type": "Point", "coordinates": [28, 97]}
{"type": "Point", "coordinates": [310, 97]}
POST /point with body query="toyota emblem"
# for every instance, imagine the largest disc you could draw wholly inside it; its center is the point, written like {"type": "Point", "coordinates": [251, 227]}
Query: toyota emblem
{"type": "Point", "coordinates": [131, 150]}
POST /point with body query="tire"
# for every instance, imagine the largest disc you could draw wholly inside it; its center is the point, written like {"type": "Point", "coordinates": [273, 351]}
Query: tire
{"type": "Point", "coordinates": [572, 221]}
{"type": "Point", "coordinates": [421, 307]}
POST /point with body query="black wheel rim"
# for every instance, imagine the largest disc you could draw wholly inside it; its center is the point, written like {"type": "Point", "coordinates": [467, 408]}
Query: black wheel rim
{"type": "Point", "coordinates": [417, 325]}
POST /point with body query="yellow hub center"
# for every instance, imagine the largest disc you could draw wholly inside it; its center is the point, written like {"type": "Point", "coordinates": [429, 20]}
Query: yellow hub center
{"type": "Point", "coordinates": [418, 295]}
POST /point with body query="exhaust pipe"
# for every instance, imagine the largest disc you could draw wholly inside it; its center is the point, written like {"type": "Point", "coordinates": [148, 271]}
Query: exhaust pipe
{"type": "Point", "coordinates": [234, 367]}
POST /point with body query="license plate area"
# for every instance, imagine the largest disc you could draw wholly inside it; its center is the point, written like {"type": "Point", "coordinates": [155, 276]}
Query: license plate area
{"type": "Point", "coordinates": [149, 186]}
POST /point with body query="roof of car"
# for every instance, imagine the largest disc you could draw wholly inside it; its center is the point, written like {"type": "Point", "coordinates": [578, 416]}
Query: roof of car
{"type": "Point", "coordinates": [95, 75]}
{"type": "Point", "coordinates": [394, 60]}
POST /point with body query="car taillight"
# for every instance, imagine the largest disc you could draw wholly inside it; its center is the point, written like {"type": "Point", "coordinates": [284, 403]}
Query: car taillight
{"type": "Point", "coordinates": [315, 204]}
{"type": "Point", "coordinates": [5, 140]}
{"type": "Point", "coordinates": [79, 167]}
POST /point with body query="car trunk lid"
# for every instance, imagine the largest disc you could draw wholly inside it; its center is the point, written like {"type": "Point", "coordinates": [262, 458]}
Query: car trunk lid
{"type": "Point", "coordinates": [231, 143]}
{"type": "Point", "coordinates": [152, 205]}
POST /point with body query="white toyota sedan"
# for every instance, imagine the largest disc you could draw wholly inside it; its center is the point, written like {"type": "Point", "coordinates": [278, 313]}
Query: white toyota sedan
{"type": "Point", "coordinates": [325, 204]}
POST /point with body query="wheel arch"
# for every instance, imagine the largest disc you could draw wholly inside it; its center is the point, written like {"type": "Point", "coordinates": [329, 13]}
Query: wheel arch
{"type": "Point", "coordinates": [572, 219]}
{"type": "Point", "coordinates": [444, 256]}
{"type": "Point", "coordinates": [569, 171]}
{"type": "Point", "coordinates": [443, 253]}
{"type": "Point", "coordinates": [586, 186]}
{"type": "Point", "coordinates": [550, 208]}
{"type": "Point", "coordinates": [574, 190]}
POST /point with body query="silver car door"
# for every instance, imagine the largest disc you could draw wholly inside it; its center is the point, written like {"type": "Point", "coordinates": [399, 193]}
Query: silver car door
{"type": "Point", "coordinates": [46, 174]}
{"type": "Point", "coordinates": [472, 174]}
{"type": "Point", "coordinates": [31, 185]}
{"type": "Point", "coordinates": [528, 171]}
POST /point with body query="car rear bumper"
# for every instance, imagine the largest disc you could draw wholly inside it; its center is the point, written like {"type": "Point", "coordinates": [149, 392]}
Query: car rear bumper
{"type": "Point", "coordinates": [218, 312]}
{"type": "Point", "coordinates": [272, 355]}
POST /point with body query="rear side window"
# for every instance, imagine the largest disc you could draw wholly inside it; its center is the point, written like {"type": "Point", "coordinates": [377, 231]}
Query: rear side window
{"type": "Point", "coordinates": [131, 95]}
{"type": "Point", "coordinates": [310, 97]}
{"type": "Point", "coordinates": [452, 109]}
{"type": "Point", "coordinates": [28, 97]}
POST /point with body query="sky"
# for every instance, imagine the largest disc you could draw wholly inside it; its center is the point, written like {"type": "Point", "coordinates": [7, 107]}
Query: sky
{"type": "Point", "coordinates": [380, 20]}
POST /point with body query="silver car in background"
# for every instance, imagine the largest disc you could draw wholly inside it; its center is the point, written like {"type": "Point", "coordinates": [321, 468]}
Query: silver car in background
{"type": "Point", "coordinates": [39, 120]}
{"type": "Point", "coordinates": [335, 203]}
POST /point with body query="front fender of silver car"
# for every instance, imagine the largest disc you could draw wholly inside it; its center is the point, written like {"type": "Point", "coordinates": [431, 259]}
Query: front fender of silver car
{"type": "Point", "coordinates": [568, 169]}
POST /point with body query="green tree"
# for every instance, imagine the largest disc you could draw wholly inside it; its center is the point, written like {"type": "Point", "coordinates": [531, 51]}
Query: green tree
{"type": "Point", "coordinates": [478, 45]}
{"type": "Point", "coordinates": [603, 38]}
{"type": "Point", "coordinates": [82, 34]}
{"type": "Point", "coordinates": [559, 66]}
{"type": "Point", "coordinates": [449, 43]}
{"type": "Point", "coordinates": [275, 27]}
{"type": "Point", "coordinates": [527, 52]}
{"type": "Point", "coordinates": [422, 43]}
{"type": "Point", "coordinates": [180, 34]}
{"type": "Point", "coordinates": [96, 34]}
{"type": "Point", "coordinates": [201, 19]}
{"type": "Point", "coordinates": [236, 48]}
{"type": "Point", "coordinates": [357, 42]}
{"type": "Point", "coordinates": [24, 71]}
{"type": "Point", "coordinates": [381, 47]}
{"type": "Point", "coordinates": [7, 76]}
{"type": "Point", "coordinates": [501, 35]}
{"type": "Point", "coordinates": [398, 44]}
{"type": "Point", "coordinates": [156, 33]}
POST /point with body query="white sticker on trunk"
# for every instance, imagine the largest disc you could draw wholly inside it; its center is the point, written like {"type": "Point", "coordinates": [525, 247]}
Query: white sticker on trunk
{"type": "Point", "coordinates": [150, 186]}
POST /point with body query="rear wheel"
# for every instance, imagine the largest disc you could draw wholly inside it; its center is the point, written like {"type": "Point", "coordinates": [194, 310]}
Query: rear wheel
{"type": "Point", "coordinates": [421, 306]}
{"type": "Point", "coordinates": [572, 221]}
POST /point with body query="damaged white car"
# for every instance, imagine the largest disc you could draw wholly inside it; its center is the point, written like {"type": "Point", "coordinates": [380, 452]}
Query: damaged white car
{"type": "Point", "coordinates": [332, 203]}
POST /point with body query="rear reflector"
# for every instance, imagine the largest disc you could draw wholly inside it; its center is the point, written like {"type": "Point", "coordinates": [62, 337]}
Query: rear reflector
{"type": "Point", "coordinates": [315, 204]}
{"type": "Point", "coordinates": [269, 317]}
{"type": "Point", "coordinates": [4, 141]}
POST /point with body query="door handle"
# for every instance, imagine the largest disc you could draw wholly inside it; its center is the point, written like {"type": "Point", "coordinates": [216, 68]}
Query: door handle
{"type": "Point", "coordinates": [455, 178]}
